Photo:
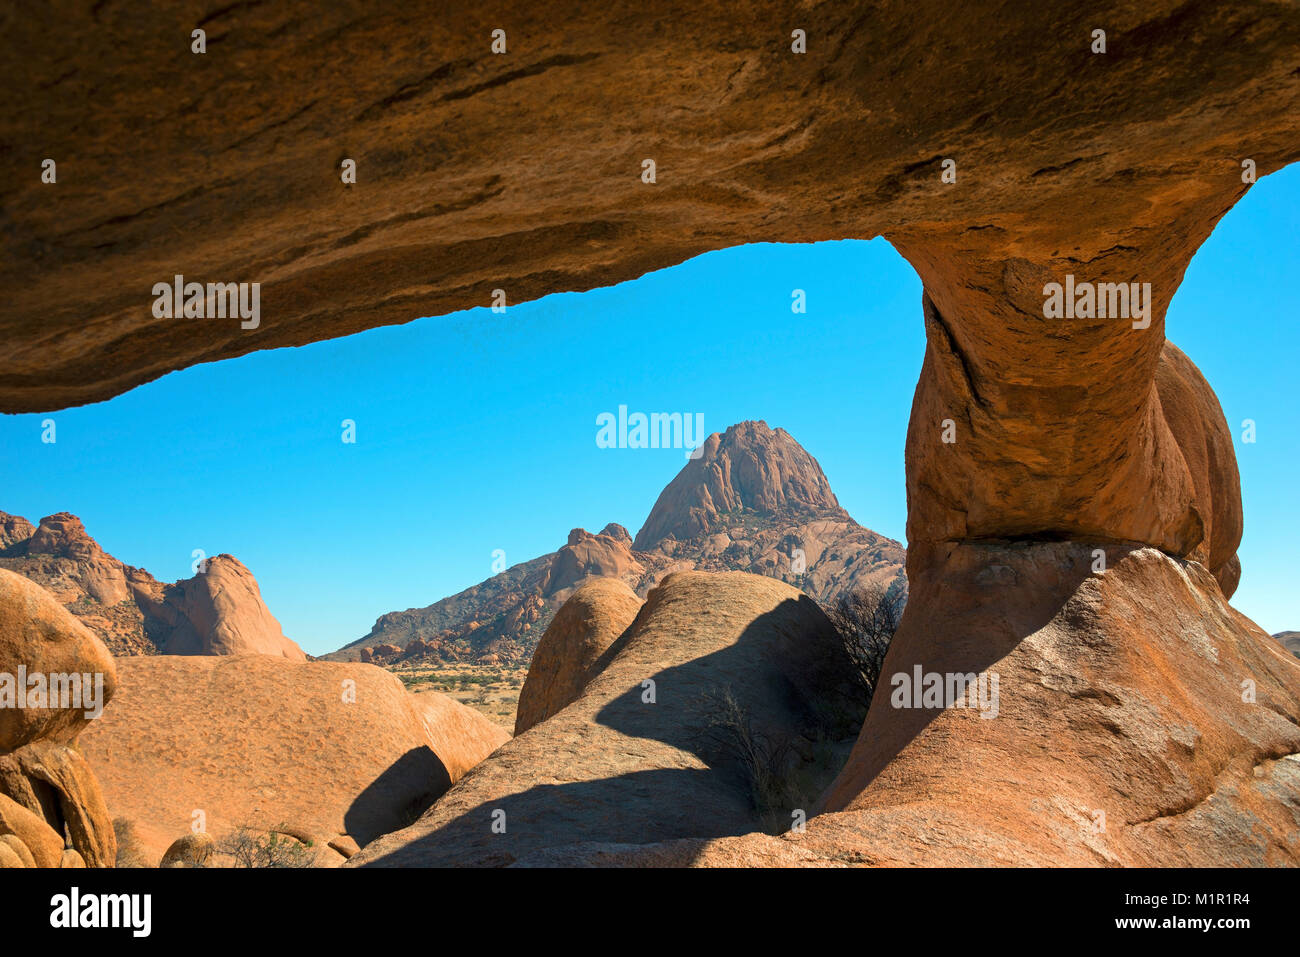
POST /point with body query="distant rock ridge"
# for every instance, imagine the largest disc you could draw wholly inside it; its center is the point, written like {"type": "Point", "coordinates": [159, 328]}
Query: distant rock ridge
{"type": "Point", "coordinates": [219, 611]}
{"type": "Point", "coordinates": [64, 536]}
{"type": "Point", "coordinates": [754, 501]}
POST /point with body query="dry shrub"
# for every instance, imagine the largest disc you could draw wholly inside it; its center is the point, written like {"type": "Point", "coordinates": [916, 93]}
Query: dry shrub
{"type": "Point", "coordinates": [250, 847]}
{"type": "Point", "coordinates": [866, 621]}
{"type": "Point", "coordinates": [129, 851]}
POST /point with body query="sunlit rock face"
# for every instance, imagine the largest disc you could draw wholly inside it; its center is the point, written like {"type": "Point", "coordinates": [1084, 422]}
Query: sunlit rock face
{"type": "Point", "coordinates": [1136, 719]}
{"type": "Point", "coordinates": [1003, 155]}
{"type": "Point", "coordinates": [56, 676]}
{"type": "Point", "coordinates": [635, 755]}
{"type": "Point", "coordinates": [219, 611]}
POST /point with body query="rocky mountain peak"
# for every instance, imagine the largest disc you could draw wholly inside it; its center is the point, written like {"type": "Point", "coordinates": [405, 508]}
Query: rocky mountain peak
{"type": "Point", "coordinates": [754, 501]}
{"type": "Point", "coordinates": [617, 532]}
{"type": "Point", "coordinates": [750, 466]}
{"type": "Point", "coordinates": [63, 536]}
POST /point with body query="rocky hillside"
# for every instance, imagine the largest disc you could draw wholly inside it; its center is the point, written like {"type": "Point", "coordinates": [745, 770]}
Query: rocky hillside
{"type": "Point", "coordinates": [217, 612]}
{"type": "Point", "coordinates": [753, 501]}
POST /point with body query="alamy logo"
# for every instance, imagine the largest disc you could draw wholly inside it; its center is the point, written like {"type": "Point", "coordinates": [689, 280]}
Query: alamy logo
{"type": "Point", "coordinates": [932, 690]}
{"type": "Point", "coordinates": [72, 910]}
{"type": "Point", "coordinates": [83, 692]}
{"type": "Point", "coordinates": [1102, 300]}
{"type": "Point", "coordinates": [658, 430]}
{"type": "Point", "coordinates": [217, 300]}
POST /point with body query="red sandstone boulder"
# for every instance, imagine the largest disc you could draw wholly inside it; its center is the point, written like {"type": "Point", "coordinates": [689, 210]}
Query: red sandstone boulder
{"type": "Point", "coordinates": [321, 749]}
{"type": "Point", "coordinates": [46, 788]}
{"type": "Point", "coordinates": [460, 736]}
{"type": "Point", "coordinates": [1192, 412]}
{"type": "Point", "coordinates": [1167, 725]}
{"type": "Point", "coordinates": [42, 843]}
{"type": "Point", "coordinates": [587, 624]}
{"type": "Point", "coordinates": [648, 751]}
{"type": "Point", "coordinates": [14, 853]}
{"type": "Point", "coordinates": [192, 850]}
{"type": "Point", "coordinates": [68, 795]}
{"type": "Point", "coordinates": [39, 636]}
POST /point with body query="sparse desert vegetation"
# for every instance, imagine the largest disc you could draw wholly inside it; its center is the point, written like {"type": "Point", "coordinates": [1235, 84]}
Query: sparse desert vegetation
{"type": "Point", "coordinates": [129, 851]}
{"type": "Point", "coordinates": [249, 847]}
{"type": "Point", "coordinates": [491, 690]}
{"type": "Point", "coordinates": [866, 620]}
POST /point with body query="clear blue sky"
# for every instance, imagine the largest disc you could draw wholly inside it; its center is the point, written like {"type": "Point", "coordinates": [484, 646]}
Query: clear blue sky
{"type": "Point", "coordinates": [476, 431]}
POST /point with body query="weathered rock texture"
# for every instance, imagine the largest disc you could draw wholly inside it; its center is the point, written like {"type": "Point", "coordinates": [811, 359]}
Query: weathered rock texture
{"type": "Point", "coordinates": [50, 801]}
{"type": "Point", "coordinates": [607, 555]}
{"type": "Point", "coordinates": [217, 612]}
{"type": "Point", "coordinates": [260, 741]}
{"type": "Point", "coordinates": [459, 735]}
{"type": "Point", "coordinates": [565, 659]}
{"type": "Point", "coordinates": [27, 831]}
{"type": "Point", "coordinates": [753, 501]}
{"type": "Point", "coordinates": [1140, 721]}
{"type": "Point", "coordinates": [192, 850]}
{"type": "Point", "coordinates": [753, 468]}
{"type": "Point", "coordinates": [39, 635]}
{"type": "Point", "coordinates": [61, 772]}
{"type": "Point", "coordinates": [220, 612]}
{"type": "Point", "coordinates": [522, 172]}
{"type": "Point", "coordinates": [14, 529]}
{"type": "Point", "coordinates": [1151, 700]}
{"type": "Point", "coordinates": [1192, 413]}
{"type": "Point", "coordinates": [614, 767]}
{"type": "Point", "coordinates": [1109, 167]}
